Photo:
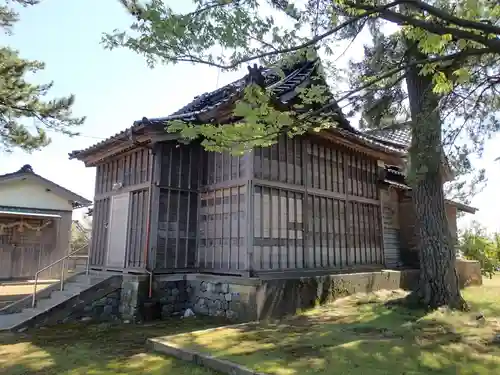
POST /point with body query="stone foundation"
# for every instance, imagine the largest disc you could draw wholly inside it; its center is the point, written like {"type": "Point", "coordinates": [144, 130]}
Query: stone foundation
{"type": "Point", "coordinates": [171, 295]}
{"type": "Point", "coordinates": [104, 309]}
{"type": "Point", "coordinates": [126, 297]}
{"type": "Point", "coordinates": [239, 299]}
{"type": "Point", "coordinates": [229, 297]}
{"type": "Point", "coordinates": [99, 303]}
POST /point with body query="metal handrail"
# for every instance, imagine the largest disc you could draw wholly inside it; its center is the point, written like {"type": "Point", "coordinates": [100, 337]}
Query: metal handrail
{"type": "Point", "coordinates": [63, 260]}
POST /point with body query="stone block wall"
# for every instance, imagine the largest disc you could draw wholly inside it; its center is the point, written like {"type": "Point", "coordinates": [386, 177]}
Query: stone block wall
{"type": "Point", "coordinates": [171, 295]}
{"type": "Point", "coordinates": [222, 297]}
{"type": "Point", "coordinates": [99, 303]}
{"type": "Point", "coordinates": [239, 299]}
{"type": "Point", "coordinates": [103, 309]}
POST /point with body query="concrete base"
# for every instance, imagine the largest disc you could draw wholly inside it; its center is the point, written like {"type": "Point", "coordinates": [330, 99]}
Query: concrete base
{"type": "Point", "coordinates": [126, 297]}
{"type": "Point", "coordinates": [469, 272]}
{"type": "Point", "coordinates": [241, 299]}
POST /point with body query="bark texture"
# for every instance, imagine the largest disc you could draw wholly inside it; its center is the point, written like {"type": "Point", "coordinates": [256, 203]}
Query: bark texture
{"type": "Point", "coordinates": [438, 279]}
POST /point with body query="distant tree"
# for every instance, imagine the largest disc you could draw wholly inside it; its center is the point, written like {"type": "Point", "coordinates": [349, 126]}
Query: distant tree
{"type": "Point", "coordinates": [80, 234]}
{"type": "Point", "coordinates": [25, 114]}
{"type": "Point", "coordinates": [476, 244]}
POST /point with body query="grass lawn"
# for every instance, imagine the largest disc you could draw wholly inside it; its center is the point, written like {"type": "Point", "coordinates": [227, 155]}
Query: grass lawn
{"type": "Point", "coordinates": [95, 350]}
{"type": "Point", "coordinates": [359, 335]}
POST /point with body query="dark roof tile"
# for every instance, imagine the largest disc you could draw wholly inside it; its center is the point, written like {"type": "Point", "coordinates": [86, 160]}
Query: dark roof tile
{"type": "Point", "coordinates": [398, 135]}
{"type": "Point", "coordinates": [294, 76]}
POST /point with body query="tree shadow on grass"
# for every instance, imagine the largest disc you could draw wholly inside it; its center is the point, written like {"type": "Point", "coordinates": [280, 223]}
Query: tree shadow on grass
{"type": "Point", "coordinates": [97, 349]}
{"type": "Point", "coordinates": [381, 340]}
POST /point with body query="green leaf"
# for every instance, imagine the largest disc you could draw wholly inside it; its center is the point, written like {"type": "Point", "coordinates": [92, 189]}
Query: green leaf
{"type": "Point", "coordinates": [462, 75]}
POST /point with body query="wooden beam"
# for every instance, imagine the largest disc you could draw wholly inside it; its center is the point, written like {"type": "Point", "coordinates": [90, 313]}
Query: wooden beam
{"type": "Point", "coordinates": [126, 189]}
{"type": "Point", "coordinates": [119, 148]}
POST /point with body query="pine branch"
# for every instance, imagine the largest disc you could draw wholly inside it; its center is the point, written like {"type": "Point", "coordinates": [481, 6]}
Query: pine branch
{"type": "Point", "coordinates": [393, 71]}
{"type": "Point", "coordinates": [402, 19]}
{"type": "Point", "coordinates": [186, 57]}
{"type": "Point", "coordinates": [451, 19]}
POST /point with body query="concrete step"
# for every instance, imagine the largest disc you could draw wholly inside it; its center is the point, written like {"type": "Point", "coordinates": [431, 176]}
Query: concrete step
{"type": "Point", "coordinates": [11, 321]}
{"type": "Point", "coordinates": [66, 293]}
{"type": "Point", "coordinates": [51, 302]}
{"type": "Point", "coordinates": [87, 280]}
{"type": "Point", "coordinates": [71, 289]}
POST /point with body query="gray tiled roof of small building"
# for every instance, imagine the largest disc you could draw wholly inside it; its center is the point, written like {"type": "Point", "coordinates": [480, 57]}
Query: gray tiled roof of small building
{"type": "Point", "coordinates": [396, 134]}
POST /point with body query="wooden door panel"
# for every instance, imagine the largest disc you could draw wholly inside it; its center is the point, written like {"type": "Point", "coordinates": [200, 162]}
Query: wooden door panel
{"type": "Point", "coordinates": [117, 230]}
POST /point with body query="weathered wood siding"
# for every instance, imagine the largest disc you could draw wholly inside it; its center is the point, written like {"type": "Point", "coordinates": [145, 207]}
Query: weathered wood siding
{"type": "Point", "coordinates": [407, 233]}
{"type": "Point", "coordinates": [392, 245]}
{"type": "Point", "coordinates": [22, 254]}
{"type": "Point", "coordinates": [315, 206]}
{"type": "Point", "coordinates": [222, 167]}
{"type": "Point", "coordinates": [99, 243]}
{"type": "Point", "coordinates": [137, 228]}
{"type": "Point", "coordinates": [178, 201]}
{"type": "Point", "coordinates": [130, 169]}
{"type": "Point", "coordinates": [201, 218]}
{"type": "Point", "coordinates": [451, 215]}
{"type": "Point", "coordinates": [223, 213]}
{"type": "Point", "coordinates": [133, 171]}
{"type": "Point", "coordinates": [223, 229]}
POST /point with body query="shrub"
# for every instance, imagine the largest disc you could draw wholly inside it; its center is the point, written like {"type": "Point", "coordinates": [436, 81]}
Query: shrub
{"type": "Point", "coordinates": [475, 244]}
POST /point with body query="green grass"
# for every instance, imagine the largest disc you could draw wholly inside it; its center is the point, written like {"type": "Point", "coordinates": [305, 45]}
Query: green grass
{"type": "Point", "coordinates": [353, 336]}
{"type": "Point", "coordinates": [95, 350]}
{"type": "Point", "coordinates": [359, 335]}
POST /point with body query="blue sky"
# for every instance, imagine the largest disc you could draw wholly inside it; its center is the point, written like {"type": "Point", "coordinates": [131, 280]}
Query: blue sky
{"type": "Point", "coordinates": [114, 88]}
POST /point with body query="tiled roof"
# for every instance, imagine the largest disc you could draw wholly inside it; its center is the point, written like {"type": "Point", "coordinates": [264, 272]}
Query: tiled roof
{"type": "Point", "coordinates": [395, 176]}
{"type": "Point", "coordinates": [397, 184]}
{"type": "Point", "coordinates": [398, 135]}
{"type": "Point", "coordinates": [371, 141]}
{"type": "Point", "coordinates": [282, 88]}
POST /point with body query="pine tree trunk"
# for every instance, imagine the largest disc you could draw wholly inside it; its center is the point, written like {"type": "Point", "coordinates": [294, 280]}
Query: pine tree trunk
{"type": "Point", "coordinates": [438, 279]}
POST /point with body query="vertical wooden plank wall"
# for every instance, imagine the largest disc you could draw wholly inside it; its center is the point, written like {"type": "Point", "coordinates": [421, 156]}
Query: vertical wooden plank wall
{"type": "Point", "coordinates": [132, 170]}
{"type": "Point", "coordinates": [223, 214]}
{"type": "Point", "coordinates": [178, 206]}
{"type": "Point", "coordinates": [407, 234]}
{"type": "Point", "coordinates": [23, 253]}
{"type": "Point", "coordinates": [392, 246]}
{"type": "Point", "coordinates": [315, 206]}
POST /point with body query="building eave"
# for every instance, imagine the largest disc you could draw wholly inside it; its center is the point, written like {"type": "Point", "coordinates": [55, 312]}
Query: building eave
{"type": "Point", "coordinates": [462, 207]}
{"type": "Point", "coordinates": [122, 138]}
{"type": "Point", "coordinates": [196, 110]}
{"type": "Point", "coordinates": [361, 144]}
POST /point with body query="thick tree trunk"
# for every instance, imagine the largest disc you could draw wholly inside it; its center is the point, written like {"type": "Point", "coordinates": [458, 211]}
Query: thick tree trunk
{"type": "Point", "coordinates": [438, 279]}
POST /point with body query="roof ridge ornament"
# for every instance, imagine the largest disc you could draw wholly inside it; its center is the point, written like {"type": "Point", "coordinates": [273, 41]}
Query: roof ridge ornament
{"type": "Point", "coordinates": [255, 75]}
{"type": "Point", "coordinates": [26, 168]}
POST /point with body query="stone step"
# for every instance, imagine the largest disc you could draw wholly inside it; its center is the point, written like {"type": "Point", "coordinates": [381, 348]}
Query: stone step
{"type": "Point", "coordinates": [48, 303]}
{"type": "Point", "coordinates": [8, 322]}
{"type": "Point", "coordinates": [71, 289]}
{"type": "Point", "coordinates": [87, 280]}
